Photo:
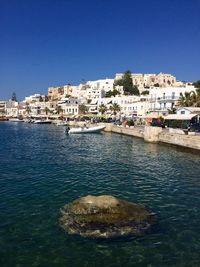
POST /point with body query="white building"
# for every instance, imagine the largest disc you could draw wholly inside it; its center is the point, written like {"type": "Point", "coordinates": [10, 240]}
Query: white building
{"type": "Point", "coordinates": [104, 84]}
{"type": "Point", "coordinates": [2, 108]}
{"type": "Point", "coordinates": [188, 110]}
{"type": "Point", "coordinates": [129, 105]}
{"type": "Point", "coordinates": [12, 108]}
{"type": "Point", "coordinates": [41, 108]}
{"type": "Point", "coordinates": [162, 99]}
{"type": "Point", "coordinates": [34, 98]}
{"type": "Point", "coordinates": [69, 105]}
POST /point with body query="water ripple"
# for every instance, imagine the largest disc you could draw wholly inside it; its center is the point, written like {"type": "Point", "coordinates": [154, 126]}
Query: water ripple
{"type": "Point", "coordinates": [41, 169]}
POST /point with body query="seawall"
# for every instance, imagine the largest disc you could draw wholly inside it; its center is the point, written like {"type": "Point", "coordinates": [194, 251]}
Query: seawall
{"type": "Point", "coordinates": [159, 135]}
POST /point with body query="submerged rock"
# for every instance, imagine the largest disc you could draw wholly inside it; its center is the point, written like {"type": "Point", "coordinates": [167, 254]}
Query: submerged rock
{"type": "Point", "coordinates": [105, 217]}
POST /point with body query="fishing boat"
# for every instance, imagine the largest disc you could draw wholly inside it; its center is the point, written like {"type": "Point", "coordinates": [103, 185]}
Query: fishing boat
{"type": "Point", "coordinates": [85, 130]}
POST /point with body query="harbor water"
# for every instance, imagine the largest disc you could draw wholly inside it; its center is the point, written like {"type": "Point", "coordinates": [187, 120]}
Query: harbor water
{"type": "Point", "coordinates": [42, 169]}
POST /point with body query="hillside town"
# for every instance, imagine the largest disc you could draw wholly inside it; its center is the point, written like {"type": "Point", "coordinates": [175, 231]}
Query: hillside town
{"type": "Point", "coordinates": [154, 94]}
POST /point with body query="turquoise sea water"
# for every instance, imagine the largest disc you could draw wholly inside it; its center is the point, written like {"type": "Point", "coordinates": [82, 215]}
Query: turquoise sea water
{"type": "Point", "coordinates": [41, 169]}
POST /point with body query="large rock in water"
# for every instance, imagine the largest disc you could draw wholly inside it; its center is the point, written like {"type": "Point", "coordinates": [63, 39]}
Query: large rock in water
{"type": "Point", "coordinates": [105, 217]}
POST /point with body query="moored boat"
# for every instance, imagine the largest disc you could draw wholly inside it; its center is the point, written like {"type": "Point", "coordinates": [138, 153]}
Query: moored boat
{"type": "Point", "coordinates": [42, 122]}
{"type": "Point", "coordinates": [84, 130]}
{"type": "Point", "coordinates": [16, 120]}
{"type": "Point", "coordinates": [61, 123]}
{"type": "Point", "coordinates": [3, 118]}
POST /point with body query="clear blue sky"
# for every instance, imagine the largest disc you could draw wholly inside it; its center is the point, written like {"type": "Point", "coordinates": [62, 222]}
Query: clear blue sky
{"type": "Point", "coordinates": [54, 42]}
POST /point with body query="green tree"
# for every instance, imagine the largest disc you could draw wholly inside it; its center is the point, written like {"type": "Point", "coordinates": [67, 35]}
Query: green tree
{"type": "Point", "coordinates": [198, 91]}
{"type": "Point", "coordinates": [197, 84]}
{"type": "Point", "coordinates": [46, 110]}
{"type": "Point", "coordinates": [190, 99]}
{"type": "Point", "coordinates": [145, 92]}
{"type": "Point", "coordinates": [14, 97]}
{"type": "Point", "coordinates": [115, 108]}
{"type": "Point", "coordinates": [58, 109]}
{"type": "Point", "coordinates": [127, 83]}
{"type": "Point", "coordinates": [195, 98]}
{"type": "Point", "coordinates": [28, 109]}
{"type": "Point", "coordinates": [156, 85]}
{"type": "Point", "coordinates": [185, 100]}
{"type": "Point", "coordinates": [111, 93]}
{"type": "Point", "coordinates": [102, 108]}
{"type": "Point", "coordinates": [171, 110]}
{"type": "Point", "coordinates": [83, 109]}
{"type": "Point", "coordinates": [108, 94]}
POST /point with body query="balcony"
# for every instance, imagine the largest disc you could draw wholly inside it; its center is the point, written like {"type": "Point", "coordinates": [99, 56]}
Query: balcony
{"type": "Point", "coordinates": [168, 98]}
{"type": "Point", "coordinates": [164, 99]}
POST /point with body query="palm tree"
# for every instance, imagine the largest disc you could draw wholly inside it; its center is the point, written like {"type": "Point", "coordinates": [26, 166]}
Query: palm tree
{"type": "Point", "coordinates": [59, 110]}
{"type": "Point", "coordinates": [28, 109]}
{"type": "Point", "coordinates": [195, 98]}
{"type": "Point", "coordinates": [171, 110]}
{"type": "Point", "coordinates": [46, 110]}
{"type": "Point", "coordinates": [115, 108]}
{"type": "Point", "coordinates": [198, 91]}
{"type": "Point", "coordinates": [83, 109]}
{"type": "Point", "coordinates": [102, 109]}
{"type": "Point", "coordinates": [185, 100]}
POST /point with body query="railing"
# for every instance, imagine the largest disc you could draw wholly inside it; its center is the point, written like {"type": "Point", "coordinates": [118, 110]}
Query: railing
{"type": "Point", "coordinates": [168, 98]}
{"type": "Point", "coordinates": [164, 98]}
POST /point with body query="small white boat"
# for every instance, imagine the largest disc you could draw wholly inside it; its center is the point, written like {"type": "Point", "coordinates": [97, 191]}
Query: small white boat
{"type": "Point", "coordinates": [84, 130]}
{"type": "Point", "coordinates": [42, 121]}
{"type": "Point", "coordinates": [61, 124]}
{"type": "Point", "coordinates": [16, 120]}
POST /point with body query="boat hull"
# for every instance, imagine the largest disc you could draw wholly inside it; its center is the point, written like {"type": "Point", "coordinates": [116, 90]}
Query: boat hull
{"type": "Point", "coordinates": [42, 122]}
{"type": "Point", "coordinates": [85, 130]}
{"type": "Point", "coordinates": [16, 120]}
{"type": "Point", "coordinates": [62, 124]}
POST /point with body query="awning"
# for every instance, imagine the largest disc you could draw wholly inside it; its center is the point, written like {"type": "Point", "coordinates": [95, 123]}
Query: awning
{"type": "Point", "coordinates": [183, 117]}
{"type": "Point", "coordinates": [152, 116]}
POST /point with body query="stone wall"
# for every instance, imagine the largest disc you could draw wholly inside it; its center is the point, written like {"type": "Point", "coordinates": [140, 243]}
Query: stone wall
{"type": "Point", "coordinates": [159, 135]}
{"type": "Point", "coordinates": [135, 131]}
{"type": "Point", "coordinates": [151, 134]}
{"type": "Point", "coordinates": [190, 141]}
